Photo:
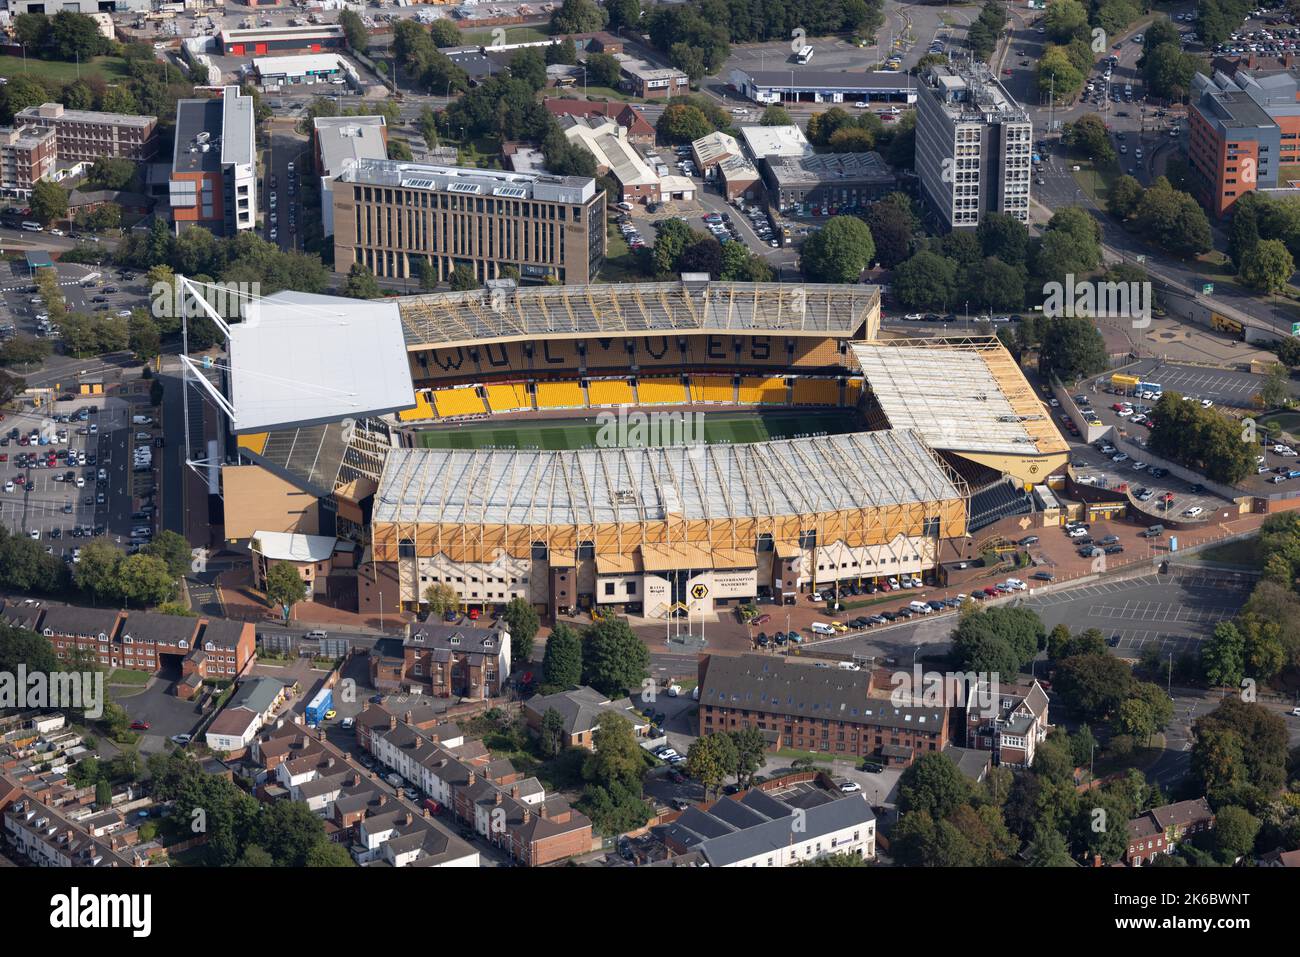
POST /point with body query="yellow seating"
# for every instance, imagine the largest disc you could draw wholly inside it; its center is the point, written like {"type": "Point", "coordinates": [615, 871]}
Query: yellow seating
{"type": "Point", "coordinates": [451, 402]}
{"type": "Point", "coordinates": [508, 398]}
{"type": "Point", "coordinates": [712, 388]}
{"type": "Point", "coordinates": [559, 395]}
{"type": "Point", "coordinates": [816, 392]}
{"type": "Point", "coordinates": [254, 442]}
{"type": "Point", "coordinates": [853, 392]}
{"type": "Point", "coordinates": [423, 409]}
{"type": "Point", "coordinates": [661, 392]}
{"type": "Point", "coordinates": [753, 391]}
{"type": "Point", "coordinates": [610, 392]}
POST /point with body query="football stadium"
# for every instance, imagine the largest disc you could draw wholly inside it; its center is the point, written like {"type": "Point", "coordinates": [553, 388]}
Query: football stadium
{"type": "Point", "coordinates": [646, 448]}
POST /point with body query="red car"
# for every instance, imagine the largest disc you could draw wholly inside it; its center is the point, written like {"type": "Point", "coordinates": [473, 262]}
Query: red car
{"type": "Point", "coordinates": [140, 726]}
{"type": "Point", "coordinates": [762, 619]}
{"type": "Point", "coordinates": [991, 592]}
{"type": "Point", "coordinates": [473, 614]}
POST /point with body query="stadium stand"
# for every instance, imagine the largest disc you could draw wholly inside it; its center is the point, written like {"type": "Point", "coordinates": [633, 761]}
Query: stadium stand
{"type": "Point", "coordinates": [658, 351]}
{"type": "Point", "coordinates": [610, 392]}
{"type": "Point", "coordinates": [423, 409]}
{"type": "Point", "coordinates": [712, 388]}
{"type": "Point", "coordinates": [560, 395]}
{"type": "Point", "coordinates": [816, 392]}
{"type": "Point", "coordinates": [997, 501]}
{"type": "Point", "coordinates": [817, 353]}
{"type": "Point", "coordinates": [661, 392]}
{"type": "Point", "coordinates": [495, 358]}
{"type": "Point", "coordinates": [450, 402]}
{"type": "Point", "coordinates": [607, 354]}
{"type": "Point", "coordinates": [755, 391]}
{"type": "Point", "coordinates": [852, 392]}
{"type": "Point", "coordinates": [555, 355]}
{"type": "Point", "coordinates": [509, 398]}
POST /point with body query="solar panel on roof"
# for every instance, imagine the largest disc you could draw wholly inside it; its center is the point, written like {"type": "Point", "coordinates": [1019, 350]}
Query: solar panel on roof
{"type": "Point", "coordinates": [464, 188]}
{"type": "Point", "coordinates": [514, 192]}
{"type": "Point", "coordinates": [418, 183]}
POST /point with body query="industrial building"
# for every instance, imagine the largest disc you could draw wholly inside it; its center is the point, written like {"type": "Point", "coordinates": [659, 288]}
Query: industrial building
{"type": "Point", "coordinates": [270, 41]}
{"type": "Point", "coordinates": [815, 86]}
{"type": "Point", "coordinates": [827, 183]}
{"type": "Point", "coordinates": [277, 72]}
{"type": "Point", "coordinates": [974, 146]}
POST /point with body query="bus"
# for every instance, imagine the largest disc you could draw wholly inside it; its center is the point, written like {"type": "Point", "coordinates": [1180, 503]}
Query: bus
{"type": "Point", "coordinates": [804, 55]}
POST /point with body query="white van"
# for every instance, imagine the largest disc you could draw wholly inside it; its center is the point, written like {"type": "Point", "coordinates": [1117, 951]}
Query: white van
{"type": "Point", "coordinates": [821, 628]}
{"type": "Point", "coordinates": [316, 635]}
{"type": "Point", "coordinates": [849, 666]}
{"type": "Point", "coordinates": [920, 607]}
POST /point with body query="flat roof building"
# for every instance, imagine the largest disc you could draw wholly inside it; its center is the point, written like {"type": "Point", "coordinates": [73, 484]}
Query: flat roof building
{"type": "Point", "coordinates": [340, 142]}
{"type": "Point", "coordinates": [308, 68]}
{"type": "Point", "coordinates": [974, 146]}
{"type": "Point", "coordinates": [27, 156]}
{"type": "Point", "coordinates": [272, 40]}
{"type": "Point", "coordinates": [392, 216]}
{"type": "Point", "coordinates": [765, 141]}
{"type": "Point", "coordinates": [87, 135]}
{"type": "Point", "coordinates": [831, 182]}
{"type": "Point", "coordinates": [214, 164]}
{"type": "Point", "coordinates": [650, 81]}
{"type": "Point", "coordinates": [607, 141]}
{"type": "Point", "coordinates": [822, 86]}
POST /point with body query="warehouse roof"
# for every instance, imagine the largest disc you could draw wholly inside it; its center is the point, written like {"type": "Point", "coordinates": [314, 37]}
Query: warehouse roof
{"type": "Point", "coordinates": [960, 395]}
{"type": "Point", "coordinates": [303, 359]}
{"type": "Point", "coordinates": [445, 319]}
{"type": "Point", "coordinates": [791, 477]}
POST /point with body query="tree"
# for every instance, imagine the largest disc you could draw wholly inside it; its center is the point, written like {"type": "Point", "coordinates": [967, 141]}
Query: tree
{"type": "Point", "coordinates": [893, 224]}
{"type": "Point", "coordinates": [1048, 849]}
{"type": "Point", "coordinates": [143, 337]}
{"type": "Point", "coordinates": [932, 784]}
{"type": "Point", "coordinates": [603, 69]}
{"type": "Point", "coordinates": [111, 172]}
{"type": "Point", "coordinates": [354, 31]}
{"type": "Point", "coordinates": [926, 281]}
{"type": "Point", "coordinates": [1093, 685]}
{"type": "Point", "coordinates": [623, 13]}
{"type": "Point", "coordinates": [173, 549]}
{"type": "Point", "coordinates": [706, 762]}
{"type": "Point", "coordinates": [97, 571]}
{"type": "Point", "coordinates": [445, 33]}
{"type": "Point", "coordinates": [522, 620]}
{"type": "Point", "coordinates": [578, 16]}
{"type": "Point", "coordinates": [1223, 655]}
{"type": "Point", "coordinates": [1072, 349]}
{"type": "Point", "coordinates": [775, 115]}
{"type": "Point", "coordinates": [1276, 389]}
{"type": "Point", "coordinates": [617, 756]}
{"type": "Point", "coordinates": [24, 351]}
{"type": "Point", "coordinates": [530, 66]}
{"type": "Point", "coordinates": [1124, 198]}
{"type": "Point", "coordinates": [49, 202]}
{"type": "Point", "coordinates": [361, 283]}
{"type": "Point", "coordinates": [441, 598]}
{"type": "Point", "coordinates": [326, 853]}
{"type": "Point", "coordinates": [751, 754]}
{"type": "Point", "coordinates": [551, 734]}
{"type": "Point", "coordinates": [562, 660]}
{"type": "Point", "coordinates": [288, 830]}
{"type": "Point", "coordinates": [682, 123]}
{"type": "Point", "coordinates": [144, 580]}
{"type": "Point", "coordinates": [1057, 74]}
{"type": "Point", "coordinates": [1235, 830]}
{"type": "Point", "coordinates": [1267, 267]}
{"type": "Point", "coordinates": [284, 586]}
{"type": "Point", "coordinates": [614, 659]}
{"type": "Point", "coordinates": [462, 278]}
{"type": "Point", "coordinates": [838, 252]}
{"type": "Point", "coordinates": [1089, 137]}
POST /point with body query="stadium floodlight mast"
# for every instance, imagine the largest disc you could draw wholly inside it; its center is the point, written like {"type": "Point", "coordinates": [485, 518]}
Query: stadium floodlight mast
{"type": "Point", "coordinates": [190, 372]}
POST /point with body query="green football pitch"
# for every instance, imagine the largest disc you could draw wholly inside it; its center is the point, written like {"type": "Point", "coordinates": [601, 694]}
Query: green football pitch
{"type": "Point", "coordinates": [738, 428]}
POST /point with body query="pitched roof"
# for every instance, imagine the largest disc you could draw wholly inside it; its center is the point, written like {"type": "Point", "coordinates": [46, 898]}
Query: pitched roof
{"type": "Point", "coordinates": [779, 686]}
{"type": "Point", "coordinates": [581, 708]}
{"type": "Point", "coordinates": [1182, 813]}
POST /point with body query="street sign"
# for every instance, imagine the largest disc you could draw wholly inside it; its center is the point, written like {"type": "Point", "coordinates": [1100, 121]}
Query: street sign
{"type": "Point", "coordinates": [1295, 328]}
{"type": "Point", "coordinates": [1207, 289]}
{"type": "Point", "coordinates": [700, 592]}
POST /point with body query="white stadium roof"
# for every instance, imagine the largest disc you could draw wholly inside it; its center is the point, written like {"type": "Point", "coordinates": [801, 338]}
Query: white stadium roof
{"type": "Point", "coordinates": [791, 477]}
{"type": "Point", "coordinates": [960, 396]}
{"type": "Point", "coordinates": [302, 359]}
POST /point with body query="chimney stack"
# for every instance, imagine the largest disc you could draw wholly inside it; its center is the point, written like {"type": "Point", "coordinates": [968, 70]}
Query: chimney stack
{"type": "Point", "coordinates": [470, 781]}
{"type": "Point", "coordinates": [409, 717]}
{"type": "Point", "coordinates": [426, 813]}
{"type": "Point", "coordinates": [408, 819]}
{"type": "Point", "coordinates": [542, 812]}
{"type": "Point", "coordinates": [392, 722]}
{"type": "Point", "coordinates": [528, 815]}
{"type": "Point", "coordinates": [514, 791]}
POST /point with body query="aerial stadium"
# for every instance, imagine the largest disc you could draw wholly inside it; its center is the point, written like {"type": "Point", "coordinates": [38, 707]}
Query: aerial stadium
{"type": "Point", "coordinates": [488, 446]}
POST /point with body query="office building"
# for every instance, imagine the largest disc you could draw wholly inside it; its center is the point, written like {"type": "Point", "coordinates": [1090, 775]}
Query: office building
{"type": "Point", "coordinates": [974, 146]}
{"type": "Point", "coordinates": [214, 164]}
{"type": "Point", "coordinates": [1242, 129]}
{"type": "Point", "coordinates": [287, 39]}
{"type": "Point", "coordinates": [340, 142]}
{"type": "Point", "coordinates": [828, 182]}
{"type": "Point", "coordinates": [392, 216]}
{"type": "Point", "coordinates": [27, 155]}
{"type": "Point", "coordinates": [651, 82]}
{"type": "Point", "coordinates": [87, 135]}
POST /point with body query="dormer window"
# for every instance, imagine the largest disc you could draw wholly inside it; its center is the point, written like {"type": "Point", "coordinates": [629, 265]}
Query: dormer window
{"type": "Point", "coordinates": [209, 647]}
{"type": "Point", "coordinates": [487, 642]}
{"type": "Point", "coordinates": [182, 643]}
{"type": "Point", "coordinates": [127, 640]}
{"type": "Point", "coordinates": [455, 639]}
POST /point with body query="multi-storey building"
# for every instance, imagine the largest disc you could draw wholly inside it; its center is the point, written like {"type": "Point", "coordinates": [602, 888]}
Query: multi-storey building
{"type": "Point", "coordinates": [974, 146]}
{"type": "Point", "coordinates": [339, 142]}
{"type": "Point", "coordinates": [214, 164]}
{"type": "Point", "coordinates": [798, 705]}
{"type": "Point", "coordinates": [1017, 725]}
{"type": "Point", "coordinates": [86, 135]}
{"type": "Point", "coordinates": [27, 156]}
{"type": "Point", "coordinates": [1242, 129]}
{"type": "Point", "coordinates": [394, 216]}
{"type": "Point", "coordinates": [451, 661]}
{"type": "Point", "coordinates": [1160, 829]}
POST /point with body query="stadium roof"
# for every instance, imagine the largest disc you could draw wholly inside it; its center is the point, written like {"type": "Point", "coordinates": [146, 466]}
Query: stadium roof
{"type": "Point", "coordinates": [302, 359]}
{"type": "Point", "coordinates": [960, 395]}
{"type": "Point", "coordinates": [793, 477]}
{"type": "Point", "coordinates": [458, 318]}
